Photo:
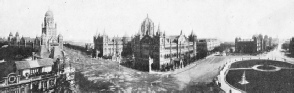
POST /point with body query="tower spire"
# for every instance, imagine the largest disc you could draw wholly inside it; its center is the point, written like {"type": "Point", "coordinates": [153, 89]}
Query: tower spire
{"type": "Point", "coordinates": [158, 30]}
{"type": "Point", "coordinates": [96, 32]}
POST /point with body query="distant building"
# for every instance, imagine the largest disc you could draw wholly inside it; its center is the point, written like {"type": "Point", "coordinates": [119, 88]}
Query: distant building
{"type": "Point", "coordinates": [89, 46]}
{"type": "Point", "coordinates": [48, 39]}
{"type": "Point", "coordinates": [108, 47]}
{"type": "Point", "coordinates": [208, 43]}
{"type": "Point", "coordinates": [258, 43]}
{"type": "Point", "coordinates": [49, 32]}
{"type": "Point", "coordinates": [286, 45]}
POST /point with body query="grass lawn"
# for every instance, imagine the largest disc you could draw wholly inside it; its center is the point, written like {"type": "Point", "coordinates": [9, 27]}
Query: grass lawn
{"type": "Point", "coordinates": [281, 81]}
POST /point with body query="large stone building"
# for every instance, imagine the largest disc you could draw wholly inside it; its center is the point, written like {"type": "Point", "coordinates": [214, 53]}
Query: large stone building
{"type": "Point", "coordinates": [150, 48]}
{"type": "Point", "coordinates": [208, 43]}
{"type": "Point", "coordinates": [49, 32]}
{"type": "Point", "coordinates": [257, 44]}
{"type": "Point", "coordinates": [42, 71]}
{"type": "Point", "coordinates": [48, 38]}
{"type": "Point", "coordinates": [109, 47]}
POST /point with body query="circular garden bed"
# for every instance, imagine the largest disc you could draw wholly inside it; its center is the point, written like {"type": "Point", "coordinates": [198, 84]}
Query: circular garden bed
{"type": "Point", "coordinates": [264, 76]}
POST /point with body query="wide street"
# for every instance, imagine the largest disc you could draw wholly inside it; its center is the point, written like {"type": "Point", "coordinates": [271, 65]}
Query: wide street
{"type": "Point", "coordinates": [204, 70]}
{"type": "Point", "coordinates": [207, 69]}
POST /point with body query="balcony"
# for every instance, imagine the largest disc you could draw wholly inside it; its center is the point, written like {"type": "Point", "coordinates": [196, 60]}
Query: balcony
{"type": "Point", "coordinates": [37, 76]}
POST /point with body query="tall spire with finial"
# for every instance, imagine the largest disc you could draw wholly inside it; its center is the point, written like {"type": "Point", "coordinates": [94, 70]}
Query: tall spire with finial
{"type": "Point", "coordinates": [158, 30]}
{"type": "Point", "coordinates": [96, 32]}
{"type": "Point", "coordinates": [181, 32]}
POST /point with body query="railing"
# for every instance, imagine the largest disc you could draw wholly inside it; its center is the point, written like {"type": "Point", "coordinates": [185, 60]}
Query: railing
{"type": "Point", "coordinates": [29, 79]}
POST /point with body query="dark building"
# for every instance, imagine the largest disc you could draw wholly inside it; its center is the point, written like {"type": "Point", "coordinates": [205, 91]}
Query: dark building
{"type": "Point", "coordinates": [207, 44]}
{"type": "Point", "coordinates": [257, 44]}
{"type": "Point", "coordinates": [150, 49]}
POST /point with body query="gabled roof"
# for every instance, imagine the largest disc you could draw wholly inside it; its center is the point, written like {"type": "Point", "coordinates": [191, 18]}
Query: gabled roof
{"type": "Point", "coordinates": [22, 64]}
{"type": "Point", "coordinates": [34, 63]}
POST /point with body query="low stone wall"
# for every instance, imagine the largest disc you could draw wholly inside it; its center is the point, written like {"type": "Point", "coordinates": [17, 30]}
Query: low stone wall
{"type": "Point", "coordinates": [222, 79]}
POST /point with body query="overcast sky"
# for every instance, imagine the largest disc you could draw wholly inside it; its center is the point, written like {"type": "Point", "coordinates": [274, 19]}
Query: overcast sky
{"type": "Point", "coordinates": [79, 20]}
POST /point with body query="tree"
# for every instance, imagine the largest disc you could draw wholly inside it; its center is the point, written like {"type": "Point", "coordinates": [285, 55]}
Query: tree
{"type": "Point", "coordinates": [201, 52]}
{"type": "Point", "coordinates": [285, 46]}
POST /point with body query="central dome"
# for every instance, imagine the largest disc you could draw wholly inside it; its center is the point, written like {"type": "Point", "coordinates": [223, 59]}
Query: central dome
{"type": "Point", "coordinates": [49, 13]}
{"type": "Point", "coordinates": [147, 27]}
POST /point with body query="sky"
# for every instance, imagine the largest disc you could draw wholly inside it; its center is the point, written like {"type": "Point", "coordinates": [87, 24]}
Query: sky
{"type": "Point", "coordinates": [80, 20]}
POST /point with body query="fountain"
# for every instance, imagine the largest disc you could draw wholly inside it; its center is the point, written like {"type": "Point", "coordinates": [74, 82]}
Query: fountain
{"type": "Point", "coordinates": [243, 81]}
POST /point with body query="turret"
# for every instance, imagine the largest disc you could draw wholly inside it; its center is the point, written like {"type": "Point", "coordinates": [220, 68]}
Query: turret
{"type": "Point", "coordinates": [60, 38]}
{"type": "Point", "coordinates": [16, 34]}
{"type": "Point", "coordinates": [10, 37]}
{"type": "Point", "coordinates": [236, 39]}
{"type": "Point", "coordinates": [17, 38]}
{"type": "Point", "coordinates": [159, 33]}
{"type": "Point", "coordinates": [10, 34]}
{"type": "Point", "coordinates": [60, 41]}
{"type": "Point", "coordinates": [192, 37]}
{"type": "Point", "coordinates": [125, 38]}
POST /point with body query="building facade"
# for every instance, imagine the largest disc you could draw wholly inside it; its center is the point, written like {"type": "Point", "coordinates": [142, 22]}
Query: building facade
{"type": "Point", "coordinates": [161, 49]}
{"type": "Point", "coordinates": [49, 32]}
{"type": "Point", "coordinates": [44, 70]}
{"type": "Point", "coordinates": [48, 38]}
{"type": "Point", "coordinates": [257, 44]}
{"type": "Point", "coordinates": [208, 43]}
{"type": "Point", "coordinates": [150, 49]}
{"type": "Point", "coordinates": [108, 47]}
